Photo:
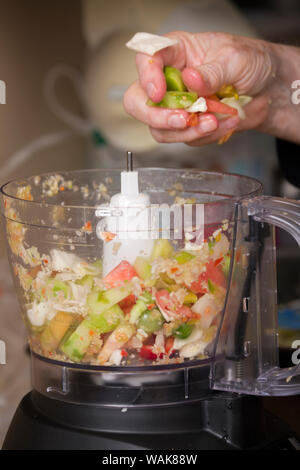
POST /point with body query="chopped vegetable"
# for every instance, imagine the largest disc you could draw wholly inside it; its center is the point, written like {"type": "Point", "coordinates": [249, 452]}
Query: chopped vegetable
{"type": "Point", "coordinates": [151, 321]}
{"type": "Point", "coordinates": [146, 352]}
{"type": "Point", "coordinates": [98, 302]}
{"type": "Point", "coordinates": [141, 306]}
{"type": "Point", "coordinates": [219, 107]}
{"type": "Point", "coordinates": [199, 106]}
{"type": "Point", "coordinates": [150, 43]}
{"type": "Point", "coordinates": [162, 249]}
{"type": "Point", "coordinates": [227, 91]}
{"type": "Point", "coordinates": [55, 330]}
{"type": "Point", "coordinates": [108, 320]}
{"type": "Point", "coordinates": [116, 340]}
{"type": "Point", "coordinates": [183, 257]}
{"type": "Point", "coordinates": [142, 267]}
{"type": "Point", "coordinates": [183, 331]}
{"type": "Point", "coordinates": [162, 309]}
{"type": "Point", "coordinates": [173, 79]}
{"type": "Point", "coordinates": [77, 344]}
{"type": "Point", "coordinates": [123, 272]}
{"type": "Point", "coordinates": [176, 100]}
{"type": "Point", "coordinates": [190, 298]}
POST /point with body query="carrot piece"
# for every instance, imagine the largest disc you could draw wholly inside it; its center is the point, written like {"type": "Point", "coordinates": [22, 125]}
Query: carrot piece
{"type": "Point", "coordinates": [219, 107]}
{"type": "Point", "coordinates": [192, 120]}
{"type": "Point", "coordinates": [225, 138]}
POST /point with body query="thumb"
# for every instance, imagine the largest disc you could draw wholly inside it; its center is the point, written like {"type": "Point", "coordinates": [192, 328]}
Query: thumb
{"type": "Point", "coordinates": [206, 79]}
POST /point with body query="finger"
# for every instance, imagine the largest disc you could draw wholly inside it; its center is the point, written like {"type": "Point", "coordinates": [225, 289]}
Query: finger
{"type": "Point", "coordinates": [152, 79]}
{"type": "Point", "coordinates": [134, 102]}
{"type": "Point", "coordinates": [207, 123]}
{"type": "Point", "coordinates": [150, 68]}
{"type": "Point", "coordinates": [207, 79]}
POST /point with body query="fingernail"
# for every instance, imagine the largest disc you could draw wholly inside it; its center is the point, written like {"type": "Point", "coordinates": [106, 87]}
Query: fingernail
{"type": "Point", "coordinates": [208, 124]}
{"type": "Point", "coordinates": [177, 121]}
{"type": "Point", "coordinates": [231, 122]}
{"type": "Point", "coordinates": [150, 90]}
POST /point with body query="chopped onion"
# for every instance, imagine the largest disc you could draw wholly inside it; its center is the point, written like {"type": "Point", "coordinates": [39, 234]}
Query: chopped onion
{"type": "Point", "coordinates": [198, 106]}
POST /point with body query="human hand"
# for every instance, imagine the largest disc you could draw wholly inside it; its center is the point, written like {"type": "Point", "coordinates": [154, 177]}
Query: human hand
{"type": "Point", "coordinates": [207, 61]}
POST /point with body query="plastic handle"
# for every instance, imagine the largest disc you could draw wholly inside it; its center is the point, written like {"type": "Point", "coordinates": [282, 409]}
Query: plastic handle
{"type": "Point", "coordinates": [283, 213]}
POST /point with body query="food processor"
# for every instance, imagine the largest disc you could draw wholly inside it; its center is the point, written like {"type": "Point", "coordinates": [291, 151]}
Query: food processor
{"type": "Point", "coordinates": [149, 298]}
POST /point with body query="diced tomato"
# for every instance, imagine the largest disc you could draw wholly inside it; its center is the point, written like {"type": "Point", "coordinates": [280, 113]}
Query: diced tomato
{"type": "Point", "coordinates": [127, 303]}
{"type": "Point", "coordinates": [123, 272]}
{"type": "Point", "coordinates": [199, 286]}
{"type": "Point", "coordinates": [163, 300]}
{"type": "Point", "coordinates": [192, 120]}
{"type": "Point", "coordinates": [215, 274]}
{"type": "Point", "coordinates": [146, 352]}
{"type": "Point", "coordinates": [169, 344]}
{"type": "Point", "coordinates": [184, 312]}
{"type": "Point", "coordinates": [218, 261]}
{"type": "Point", "coordinates": [124, 353]}
{"type": "Point", "coordinates": [219, 107]}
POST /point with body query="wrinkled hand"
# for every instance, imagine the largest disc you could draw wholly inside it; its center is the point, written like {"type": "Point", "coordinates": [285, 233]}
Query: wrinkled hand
{"type": "Point", "coordinates": [207, 61]}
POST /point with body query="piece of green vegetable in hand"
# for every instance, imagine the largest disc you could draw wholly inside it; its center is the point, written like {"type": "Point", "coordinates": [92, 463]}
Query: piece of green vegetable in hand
{"type": "Point", "coordinates": [175, 100]}
{"type": "Point", "coordinates": [174, 79]}
{"type": "Point", "coordinates": [151, 321]}
{"type": "Point", "coordinates": [183, 331]}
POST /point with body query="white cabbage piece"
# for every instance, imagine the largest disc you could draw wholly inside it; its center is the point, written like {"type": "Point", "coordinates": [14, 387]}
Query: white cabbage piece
{"type": "Point", "coordinates": [208, 307]}
{"type": "Point", "coordinates": [149, 43]}
{"type": "Point", "coordinates": [63, 261]}
{"type": "Point", "coordinates": [237, 104]}
{"type": "Point", "coordinates": [69, 262]}
{"type": "Point", "coordinates": [116, 357]}
{"type": "Point", "coordinates": [198, 106]}
{"type": "Point", "coordinates": [220, 248]}
{"type": "Point", "coordinates": [38, 314]}
{"type": "Point", "coordinates": [192, 349]}
{"type": "Point", "coordinates": [196, 335]}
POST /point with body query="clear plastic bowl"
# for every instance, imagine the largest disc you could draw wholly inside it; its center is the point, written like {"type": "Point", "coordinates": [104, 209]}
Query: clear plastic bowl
{"type": "Point", "coordinates": [163, 311]}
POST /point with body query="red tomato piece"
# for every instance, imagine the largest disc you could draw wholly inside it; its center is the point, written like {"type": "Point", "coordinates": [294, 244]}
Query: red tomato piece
{"type": "Point", "coordinates": [215, 274]}
{"type": "Point", "coordinates": [218, 107]}
{"type": "Point", "coordinates": [128, 302]}
{"type": "Point", "coordinates": [123, 272]}
{"type": "Point", "coordinates": [199, 287]}
{"type": "Point", "coordinates": [184, 312]}
{"type": "Point", "coordinates": [146, 352]}
{"type": "Point", "coordinates": [192, 120]}
{"type": "Point", "coordinates": [163, 300]}
{"type": "Point", "coordinates": [169, 344]}
{"type": "Point", "coordinates": [218, 261]}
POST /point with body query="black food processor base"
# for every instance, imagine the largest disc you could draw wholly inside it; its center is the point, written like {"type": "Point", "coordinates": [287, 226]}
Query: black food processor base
{"type": "Point", "coordinates": [222, 421]}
